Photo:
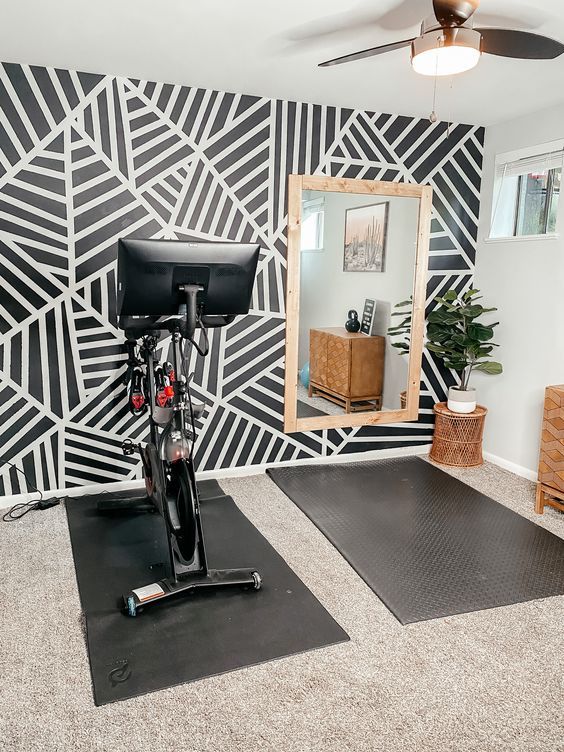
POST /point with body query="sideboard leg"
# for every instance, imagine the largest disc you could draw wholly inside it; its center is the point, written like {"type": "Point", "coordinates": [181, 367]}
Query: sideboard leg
{"type": "Point", "coordinates": [539, 501]}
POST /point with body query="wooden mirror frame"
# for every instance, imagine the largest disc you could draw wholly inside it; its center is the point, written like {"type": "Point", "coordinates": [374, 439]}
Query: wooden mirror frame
{"type": "Point", "coordinates": [297, 184]}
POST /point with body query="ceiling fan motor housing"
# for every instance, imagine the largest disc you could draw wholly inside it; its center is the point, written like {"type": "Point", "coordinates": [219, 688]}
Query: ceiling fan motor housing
{"type": "Point", "coordinates": [452, 13]}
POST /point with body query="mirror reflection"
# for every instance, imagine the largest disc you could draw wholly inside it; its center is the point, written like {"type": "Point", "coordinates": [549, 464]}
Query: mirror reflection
{"type": "Point", "coordinates": [357, 262]}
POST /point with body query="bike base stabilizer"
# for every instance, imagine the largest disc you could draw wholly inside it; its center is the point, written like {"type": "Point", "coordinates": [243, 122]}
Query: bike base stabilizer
{"type": "Point", "coordinates": [138, 599]}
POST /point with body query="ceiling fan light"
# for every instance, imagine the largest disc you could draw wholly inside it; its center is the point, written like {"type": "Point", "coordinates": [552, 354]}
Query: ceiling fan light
{"type": "Point", "coordinates": [446, 52]}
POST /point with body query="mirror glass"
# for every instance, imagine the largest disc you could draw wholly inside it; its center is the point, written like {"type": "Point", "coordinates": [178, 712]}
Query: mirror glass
{"type": "Point", "coordinates": [356, 281]}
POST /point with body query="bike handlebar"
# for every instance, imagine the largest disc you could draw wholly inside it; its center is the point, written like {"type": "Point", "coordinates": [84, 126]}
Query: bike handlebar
{"type": "Point", "coordinates": [136, 326]}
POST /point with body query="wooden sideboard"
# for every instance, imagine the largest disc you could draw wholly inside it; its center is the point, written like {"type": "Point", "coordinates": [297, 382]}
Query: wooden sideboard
{"type": "Point", "coordinates": [550, 486]}
{"type": "Point", "coordinates": [347, 368]}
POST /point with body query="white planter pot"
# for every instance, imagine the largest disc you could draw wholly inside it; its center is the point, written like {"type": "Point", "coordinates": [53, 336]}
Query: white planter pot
{"type": "Point", "coordinates": [461, 400]}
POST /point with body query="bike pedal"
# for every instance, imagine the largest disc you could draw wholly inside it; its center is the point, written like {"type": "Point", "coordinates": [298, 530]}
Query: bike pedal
{"type": "Point", "coordinates": [138, 400]}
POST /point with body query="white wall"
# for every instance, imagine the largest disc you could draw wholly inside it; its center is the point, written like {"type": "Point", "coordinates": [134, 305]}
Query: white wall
{"type": "Point", "coordinates": [525, 280]}
{"type": "Point", "coordinates": [327, 292]}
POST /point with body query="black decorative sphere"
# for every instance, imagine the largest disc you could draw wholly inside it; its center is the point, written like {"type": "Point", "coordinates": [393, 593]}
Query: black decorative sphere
{"type": "Point", "coordinates": [352, 324]}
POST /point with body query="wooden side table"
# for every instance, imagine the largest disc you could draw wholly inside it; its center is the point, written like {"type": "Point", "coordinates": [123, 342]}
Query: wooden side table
{"type": "Point", "coordinates": [457, 440]}
{"type": "Point", "coordinates": [550, 487]}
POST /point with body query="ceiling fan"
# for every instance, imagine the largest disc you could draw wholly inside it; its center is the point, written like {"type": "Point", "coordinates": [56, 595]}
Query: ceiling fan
{"type": "Point", "coordinates": [449, 43]}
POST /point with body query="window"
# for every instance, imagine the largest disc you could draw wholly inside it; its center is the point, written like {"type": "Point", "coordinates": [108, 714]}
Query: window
{"type": "Point", "coordinates": [527, 192]}
{"type": "Point", "coordinates": [313, 212]}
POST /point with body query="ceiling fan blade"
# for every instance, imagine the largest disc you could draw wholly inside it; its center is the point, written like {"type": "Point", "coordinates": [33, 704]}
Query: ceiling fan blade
{"type": "Point", "coordinates": [367, 53]}
{"type": "Point", "coordinates": [454, 12]}
{"type": "Point", "coordinates": [407, 14]}
{"type": "Point", "coordinates": [519, 44]}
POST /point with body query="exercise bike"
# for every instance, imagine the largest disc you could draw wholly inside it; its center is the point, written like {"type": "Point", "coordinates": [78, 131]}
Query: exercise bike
{"type": "Point", "coordinates": [163, 392]}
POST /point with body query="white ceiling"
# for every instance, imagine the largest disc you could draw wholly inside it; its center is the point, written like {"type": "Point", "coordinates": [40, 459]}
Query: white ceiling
{"type": "Point", "coordinates": [272, 49]}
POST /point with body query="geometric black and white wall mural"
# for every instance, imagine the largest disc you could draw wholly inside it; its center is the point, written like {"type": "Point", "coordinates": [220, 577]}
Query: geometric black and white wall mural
{"type": "Point", "coordinates": [86, 159]}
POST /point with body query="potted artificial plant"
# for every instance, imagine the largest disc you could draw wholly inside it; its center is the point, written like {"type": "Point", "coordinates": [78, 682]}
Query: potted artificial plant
{"type": "Point", "coordinates": [402, 334]}
{"type": "Point", "coordinates": [463, 343]}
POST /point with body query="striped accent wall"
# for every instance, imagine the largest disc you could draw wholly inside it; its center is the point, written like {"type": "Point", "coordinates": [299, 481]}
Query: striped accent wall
{"type": "Point", "coordinates": [86, 159]}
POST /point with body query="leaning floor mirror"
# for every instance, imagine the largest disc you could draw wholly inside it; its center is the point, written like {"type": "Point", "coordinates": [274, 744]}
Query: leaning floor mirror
{"type": "Point", "coordinates": [355, 307]}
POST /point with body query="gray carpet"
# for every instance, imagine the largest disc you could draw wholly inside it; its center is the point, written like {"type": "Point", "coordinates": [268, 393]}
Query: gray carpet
{"type": "Point", "coordinates": [489, 681]}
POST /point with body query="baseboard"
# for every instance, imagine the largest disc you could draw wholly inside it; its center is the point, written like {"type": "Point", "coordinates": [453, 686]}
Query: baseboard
{"type": "Point", "coordinates": [375, 454]}
{"type": "Point", "coordinates": [227, 472]}
{"type": "Point", "coordinates": [524, 472]}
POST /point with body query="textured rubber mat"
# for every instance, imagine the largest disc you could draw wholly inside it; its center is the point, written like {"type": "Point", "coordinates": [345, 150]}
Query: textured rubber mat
{"type": "Point", "coordinates": [427, 544]}
{"type": "Point", "coordinates": [305, 410]}
{"type": "Point", "coordinates": [192, 637]}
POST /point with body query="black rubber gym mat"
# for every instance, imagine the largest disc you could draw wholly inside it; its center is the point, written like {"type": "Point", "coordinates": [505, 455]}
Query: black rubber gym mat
{"type": "Point", "coordinates": [192, 637]}
{"type": "Point", "coordinates": [305, 410]}
{"type": "Point", "coordinates": [427, 544]}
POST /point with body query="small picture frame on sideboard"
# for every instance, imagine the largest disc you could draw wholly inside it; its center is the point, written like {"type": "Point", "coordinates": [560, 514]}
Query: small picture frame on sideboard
{"type": "Point", "coordinates": [368, 314]}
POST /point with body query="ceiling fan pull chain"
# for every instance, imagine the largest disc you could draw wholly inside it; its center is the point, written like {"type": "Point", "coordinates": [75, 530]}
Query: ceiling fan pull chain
{"type": "Point", "coordinates": [449, 124]}
{"type": "Point", "coordinates": [433, 116]}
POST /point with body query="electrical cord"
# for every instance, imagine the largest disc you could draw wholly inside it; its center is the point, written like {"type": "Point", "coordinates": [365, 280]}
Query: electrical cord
{"type": "Point", "coordinates": [192, 418]}
{"type": "Point", "coordinates": [19, 510]}
{"type": "Point", "coordinates": [203, 351]}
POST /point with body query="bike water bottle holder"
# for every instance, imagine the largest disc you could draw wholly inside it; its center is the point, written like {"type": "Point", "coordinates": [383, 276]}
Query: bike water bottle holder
{"type": "Point", "coordinates": [128, 447]}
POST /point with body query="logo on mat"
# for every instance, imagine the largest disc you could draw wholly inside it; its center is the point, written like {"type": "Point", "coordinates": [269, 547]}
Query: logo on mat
{"type": "Point", "coordinates": [119, 674]}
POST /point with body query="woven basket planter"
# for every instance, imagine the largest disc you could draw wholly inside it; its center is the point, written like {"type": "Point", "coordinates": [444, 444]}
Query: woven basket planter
{"type": "Point", "coordinates": [457, 440]}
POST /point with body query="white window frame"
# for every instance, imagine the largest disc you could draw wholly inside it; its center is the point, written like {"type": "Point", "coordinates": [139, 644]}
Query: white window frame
{"type": "Point", "coordinates": [509, 160]}
{"type": "Point", "coordinates": [312, 207]}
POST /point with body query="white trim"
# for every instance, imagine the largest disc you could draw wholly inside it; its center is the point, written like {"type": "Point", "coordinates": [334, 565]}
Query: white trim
{"type": "Point", "coordinates": [521, 238]}
{"type": "Point", "coordinates": [246, 471]}
{"type": "Point", "coordinates": [375, 454]}
{"type": "Point", "coordinates": [228, 472]}
{"type": "Point", "coordinates": [524, 472]}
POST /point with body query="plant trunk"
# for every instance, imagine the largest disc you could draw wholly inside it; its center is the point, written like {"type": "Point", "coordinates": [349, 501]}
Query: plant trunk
{"type": "Point", "coordinates": [463, 379]}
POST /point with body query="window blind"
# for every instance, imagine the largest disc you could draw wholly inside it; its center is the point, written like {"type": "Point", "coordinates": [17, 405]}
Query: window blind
{"type": "Point", "coordinates": [537, 163]}
{"type": "Point", "coordinates": [312, 206]}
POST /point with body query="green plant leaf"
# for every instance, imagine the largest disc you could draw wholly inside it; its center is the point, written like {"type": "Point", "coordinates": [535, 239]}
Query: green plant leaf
{"type": "Point", "coordinates": [402, 313]}
{"type": "Point", "coordinates": [457, 365]}
{"type": "Point", "coordinates": [438, 337]}
{"type": "Point", "coordinates": [436, 348]}
{"type": "Point", "coordinates": [443, 317]}
{"type": "Point", "coordinates": [472, 311]}
{"type": "Point", "coordinates": [405, 322]}
{"type": "Point", "coordinates": [463, 340]}
{"type": "Point", "coordinates": [480, 332]}
{"type": "Point", "coordinates": [439, 328]}
{"type": "Point", "coordinates": [491, 367]}
{"type": "Point", "coordinates": [482, 309]}
{"type": "Point", "coordinates": [470, 293]}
